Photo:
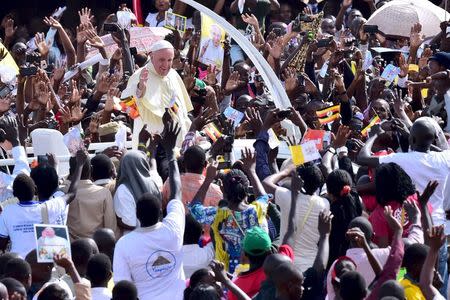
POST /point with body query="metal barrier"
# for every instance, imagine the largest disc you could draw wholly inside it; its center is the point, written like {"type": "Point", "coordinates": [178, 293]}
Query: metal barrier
{"type": "Point", "coordinates": [239, 144]}
{"type": "Point", "coordinates": [94, 147]}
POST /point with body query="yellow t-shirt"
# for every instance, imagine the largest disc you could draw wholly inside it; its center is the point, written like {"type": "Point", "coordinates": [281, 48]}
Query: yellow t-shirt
{"type": "Point", "coordinates": [412, 291]}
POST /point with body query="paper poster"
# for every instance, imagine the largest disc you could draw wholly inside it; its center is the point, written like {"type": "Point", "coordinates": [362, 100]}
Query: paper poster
{"type": "Point", "coordinates": [368, 60]}
{"type": "Point", "coordinates": [73, 140]}
{"type": "Point", "coordinates": [211, 44]}
{"type": "Point", "coordinates": [8, 62]}
{"type": "Point", "coordinates": [316, 136]}
{"type": "Point", "coordinates": [141, 37]}
{"type": "Point", "coordinates": [273, 139]}
{"type": "Point", "coordinates": [50, 240]}
{"type": "Point", "coordinates": [304, 153]}
{"type": "Point", "coordinates": [324, 69]}
{"type": "Point", "coordinates": [176, 22]}
{"type": "Point", "coordinates": [121, 137]}
{"type": "Point", "coordinates": [390, 72]}
{"type": "Point", "coordinates": [233, 115]}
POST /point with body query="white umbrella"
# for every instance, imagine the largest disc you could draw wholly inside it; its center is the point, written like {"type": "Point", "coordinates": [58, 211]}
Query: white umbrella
{"type": "Point", "coordinates": [397, 17]}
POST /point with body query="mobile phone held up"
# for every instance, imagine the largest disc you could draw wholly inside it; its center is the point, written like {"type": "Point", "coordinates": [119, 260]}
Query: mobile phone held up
{"type": "Point", "coordinates": [28, 71]}
{"type": "Point", "coordinates": [371, 29]}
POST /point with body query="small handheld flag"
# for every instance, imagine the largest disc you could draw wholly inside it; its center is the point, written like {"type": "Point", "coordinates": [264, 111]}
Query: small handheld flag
{"type": "Point", "coordinates": [212, 132]}
{"type": "Point", "coordinates": [329, 114]}
{"type": "Point", "coordinates": [375, 120]}
{"type": "Point", "coordinates": [303, 153]}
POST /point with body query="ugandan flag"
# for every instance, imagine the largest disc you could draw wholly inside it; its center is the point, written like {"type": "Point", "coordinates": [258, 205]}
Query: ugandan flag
{"type": "Point", "coordinates": [212, 132]}
{"type": "Point", "coordinates": [375, 120]}
{"type": "Point", "coordinates": [329, 114]}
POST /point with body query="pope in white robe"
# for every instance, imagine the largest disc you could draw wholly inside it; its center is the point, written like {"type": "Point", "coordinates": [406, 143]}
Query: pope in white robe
{"type": "Point", "coordinates": [157, 86]}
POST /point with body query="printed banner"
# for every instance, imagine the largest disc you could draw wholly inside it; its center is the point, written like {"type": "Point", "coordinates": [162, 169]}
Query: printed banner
{"type": "Point", "coordinates": [211, 44]}
{"type": "Point", "coordinates": [141, 37]}
{"type": "Point", "coordinates": [315, 136]}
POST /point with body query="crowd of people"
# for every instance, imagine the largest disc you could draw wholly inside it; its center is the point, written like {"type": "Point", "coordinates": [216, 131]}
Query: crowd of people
{"type": "Point", "coordinates": [186, 214]}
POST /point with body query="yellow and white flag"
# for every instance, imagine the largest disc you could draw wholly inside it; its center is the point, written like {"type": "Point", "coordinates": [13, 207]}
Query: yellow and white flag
{"type": "Point", "coordinates": [303, 153]}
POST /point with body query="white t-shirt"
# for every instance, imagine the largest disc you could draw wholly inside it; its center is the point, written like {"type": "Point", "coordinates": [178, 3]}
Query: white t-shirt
{"type": "Point", "coordinates": [100, 293]}
{"type": "Point", "coordinates": [17, 220]}
{"type": "Point", "coordinates": [152, 259]}
{"type": "Point", "coordinates": [125, 206]}
{"type": "Point", "coordinates": [422, 168]}
{"type": "Point", "coordinates": [153, 22]}
{"type": "Point", "coordinates": [20, 166]}
{"type": "Point", "coordinates": [195, 258]}
{"type": "Point", "coordinates": [307, 220]}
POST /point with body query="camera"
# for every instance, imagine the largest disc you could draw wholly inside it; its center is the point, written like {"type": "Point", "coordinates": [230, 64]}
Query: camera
{"type": "Point", "coordinates": [284, 114]}
{"type": "Point", "coordinates": [28, 71]}
{"type": "Point", "coordinates": [33, 58]}
{"type": "Point", "coordinates": [324, 42]}
{"type": "Point", "coordinates": [228, 143]}
{"type": "Point", "coordinates": [371, 29]}
{"type": "Point", "coordinates": [111, 27]}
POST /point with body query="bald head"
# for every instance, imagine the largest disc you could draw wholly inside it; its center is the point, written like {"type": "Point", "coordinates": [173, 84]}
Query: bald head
{"type": "Point", "coordinates": [391, 288]}
{"type": "Point", "coordinates": [40, 272]}
{"type": "Point", "coordinates": [422, 135]}
{"type": "Point", "coordinates": [272, 262]}
{"type": "Point", "coordinates": [82, 250]}
{"type": "Point", "coordinates": [288, 281]}
{"type": "Point", "coordinates": [106, 241]}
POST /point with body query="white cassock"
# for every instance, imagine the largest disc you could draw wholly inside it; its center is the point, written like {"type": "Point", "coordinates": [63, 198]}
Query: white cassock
{"type": "Point", "coordinates": [160, 94]}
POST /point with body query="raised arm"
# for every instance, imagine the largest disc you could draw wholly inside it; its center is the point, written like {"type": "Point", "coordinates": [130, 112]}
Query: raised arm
{"type": "Point", "coordinates": [358, 238]}
{"type": "Point", "coordinates": [169, 138]}
{"type": "Point", "coordinates": [436, 238]}
{"type": "Point", "coordinates": [423, 198]}
{"type": "Point", "coordinates": [365, 155]}
{"type": "Point", "coordinates": [324, 227]}
{"type": "Point", "coordinates": [340, 17]}
{"type": "Point", "coordinates": [249, 160]}
{"type": "Point", "coordinates": [220, 275]}
{"type": "Point", "coordinates": [65, 40]}
{"type": "Point", "coordinates": [211, 173]}
{"type": "Point", "coordinates": [394, 261]}
{"type": "Point", "coordinates": [81, 158]}
{"type": "Point", "coordinates": [270, 183]}
{"type": "Point", "coordinates": [296, 187]}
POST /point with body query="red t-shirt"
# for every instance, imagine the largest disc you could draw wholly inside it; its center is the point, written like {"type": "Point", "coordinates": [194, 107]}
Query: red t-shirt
{"type": "Point", "coordinates": [251, 283]}
{"type": "Point", "coordinates": [380, 225]}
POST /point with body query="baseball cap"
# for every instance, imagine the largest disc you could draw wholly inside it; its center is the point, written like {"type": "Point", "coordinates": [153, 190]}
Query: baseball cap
{"type": "Point", "coordinates": [442, 58]}
{"type": "Point", "coordinates": [256, 241]}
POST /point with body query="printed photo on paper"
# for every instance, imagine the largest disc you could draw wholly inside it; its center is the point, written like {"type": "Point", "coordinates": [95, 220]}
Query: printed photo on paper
{"type": "Point", "coordinates": [50, 240]}
{"type": "Point", "coordinates": [174, 21]}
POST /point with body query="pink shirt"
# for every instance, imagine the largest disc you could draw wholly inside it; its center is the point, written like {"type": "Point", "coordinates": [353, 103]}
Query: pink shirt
{"type": "Point", "coordinates": [381, 226]}
{"type": "Point", "coordinates": [190, 184]}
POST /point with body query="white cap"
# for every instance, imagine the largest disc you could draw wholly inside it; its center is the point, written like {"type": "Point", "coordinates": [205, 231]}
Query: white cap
{"type": "Point", "coordinates": [160, 45]}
